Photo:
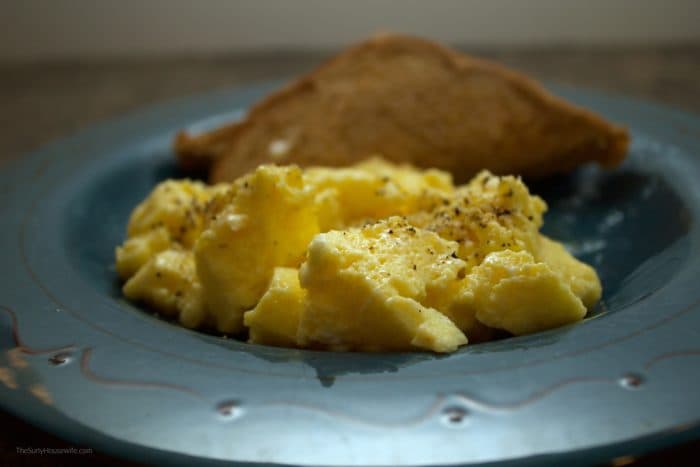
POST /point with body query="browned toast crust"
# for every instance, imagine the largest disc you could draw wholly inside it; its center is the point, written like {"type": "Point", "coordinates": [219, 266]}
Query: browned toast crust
{"type": "Point", "coordinates": [410, 100]}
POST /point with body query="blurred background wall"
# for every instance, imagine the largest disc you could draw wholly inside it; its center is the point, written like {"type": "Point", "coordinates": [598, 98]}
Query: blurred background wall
{"type": "Point", "coordinates": [54, 29]}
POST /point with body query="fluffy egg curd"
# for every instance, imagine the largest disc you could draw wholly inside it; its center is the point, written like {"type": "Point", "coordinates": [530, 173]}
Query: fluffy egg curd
{"type": "Point", "coordinates": [373, 257]}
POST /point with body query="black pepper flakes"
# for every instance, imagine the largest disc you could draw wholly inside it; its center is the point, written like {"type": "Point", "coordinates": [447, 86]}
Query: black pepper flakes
{"type": "Point", "coordinates": [454, 254]}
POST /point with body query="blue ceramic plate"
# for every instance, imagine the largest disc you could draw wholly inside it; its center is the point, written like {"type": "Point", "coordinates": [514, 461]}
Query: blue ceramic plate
{"type": "Point", "coordinates": [83, 363]}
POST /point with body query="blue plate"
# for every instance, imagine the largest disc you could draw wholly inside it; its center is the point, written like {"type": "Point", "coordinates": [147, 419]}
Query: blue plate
{"type": "Point", "coordinates": [83, 363]}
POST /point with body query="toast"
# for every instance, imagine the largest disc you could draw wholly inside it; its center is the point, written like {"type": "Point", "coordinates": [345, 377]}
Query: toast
{"type": "Point", "coordinates": [415, 101]}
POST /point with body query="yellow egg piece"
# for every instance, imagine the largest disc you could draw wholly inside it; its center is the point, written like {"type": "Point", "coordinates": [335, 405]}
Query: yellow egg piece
{"type": "Point", "coordinates": [176, 206]}
{"type": "Point", "coordinates": [168, 282]}
{"type": "Point", "coordinates": [581, 278]}
{"type": "Point", "coordinates": [512, 291]}
{"type": "Point", "coordinates": [373, 190]}
{"type": "Point", "coordinates": [268, 222]}
{"type": "Point", "coordinates": [365, 287]}
{"type": "Point", "coordinates": [275, 319]}
{"type": "Point", "coordinates": [139, 249]}
{"type": "Point", "coordinates": [489, 214]}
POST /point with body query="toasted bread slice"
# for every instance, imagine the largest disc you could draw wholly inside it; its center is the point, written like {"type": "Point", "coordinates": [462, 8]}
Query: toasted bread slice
{"type": "Point", "coordinates": [410, 100]}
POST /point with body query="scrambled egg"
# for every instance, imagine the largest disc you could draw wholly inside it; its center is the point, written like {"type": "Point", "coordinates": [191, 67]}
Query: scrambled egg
{"type": "Point", "coordinates": [374, 257]}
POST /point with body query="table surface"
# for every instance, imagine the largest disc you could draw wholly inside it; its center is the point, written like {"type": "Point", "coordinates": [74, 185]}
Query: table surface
{"type": "Point", "coordinates": [45, 101]}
